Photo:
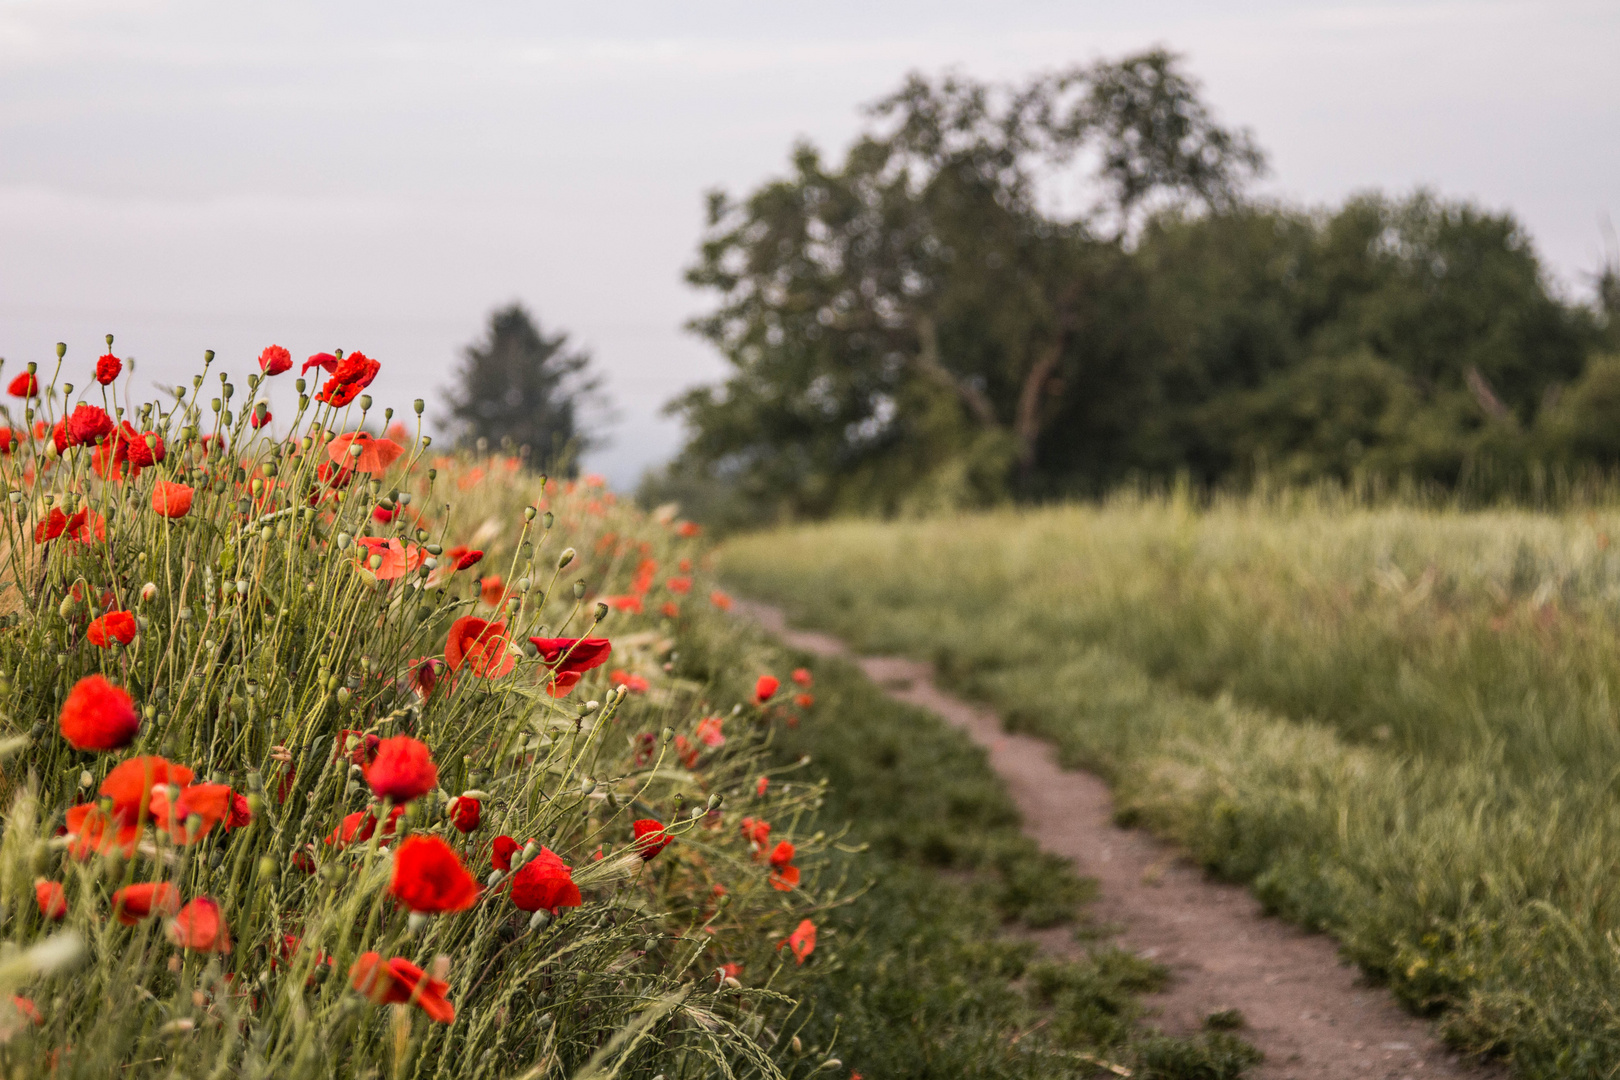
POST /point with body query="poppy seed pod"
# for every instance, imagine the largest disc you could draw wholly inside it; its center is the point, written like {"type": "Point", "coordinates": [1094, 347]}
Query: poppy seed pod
{"type": "Point", "coordinates": [601, 611]}
{"type": "Point", "coordinates": [419, 405]}
{"type": "Point", "coordinates": [579, 590]}
{"type": "Point", "coordinates": [529, 513]}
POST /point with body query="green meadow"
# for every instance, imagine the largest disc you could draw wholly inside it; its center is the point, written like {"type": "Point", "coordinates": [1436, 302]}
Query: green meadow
{"type": "Point", "coordinates": [1394, 722]}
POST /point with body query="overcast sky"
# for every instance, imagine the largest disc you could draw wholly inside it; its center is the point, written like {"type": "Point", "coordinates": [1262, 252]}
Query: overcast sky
{"type": "Point", "coordinates": [378, 176]}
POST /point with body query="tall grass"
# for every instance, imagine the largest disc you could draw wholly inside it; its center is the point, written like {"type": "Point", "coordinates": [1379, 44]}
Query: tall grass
{"type": "Point", "coordinates": [306, 608]}
{"type": "Point", "coordinates": [1395, 721]}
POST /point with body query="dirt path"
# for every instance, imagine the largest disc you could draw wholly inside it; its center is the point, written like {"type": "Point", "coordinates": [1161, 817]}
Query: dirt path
{"type": "Point", "coordinates": [1312, 1015]}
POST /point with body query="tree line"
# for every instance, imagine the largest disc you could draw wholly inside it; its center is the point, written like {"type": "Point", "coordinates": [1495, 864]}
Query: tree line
{"type": "Point", "coordinates": [1050, 289]}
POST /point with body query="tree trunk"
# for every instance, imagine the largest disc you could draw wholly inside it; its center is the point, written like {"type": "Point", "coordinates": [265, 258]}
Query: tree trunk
{"type": "Point", "coordinates": [1027, 425]}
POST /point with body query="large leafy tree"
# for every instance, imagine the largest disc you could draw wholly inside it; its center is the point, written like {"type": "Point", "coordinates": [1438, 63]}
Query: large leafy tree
{"type": "Point", "coordinates": [901, 326]}
{"type": "Point", "coordinates": [522, 386]}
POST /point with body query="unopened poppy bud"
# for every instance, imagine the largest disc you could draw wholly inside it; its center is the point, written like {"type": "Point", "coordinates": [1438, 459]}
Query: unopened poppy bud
{"type": "Point", "coordinates": [65, 608]}
{"type": "Point", "coordinates": [418, 405]}
{"type": "Point", "coordinates": [85, 779]}
{"type": "Point", "coordinates": [355, 449]}
{"type": "Point", "coordinates": [149, 592]}
{"type": "Point", "coordinates": [494, 878]}
{"type": "Point", "coordinates": [415, 922]}
{"type": "Point", "coordinates": [586, 786]}
{"type": "Point", "coordinates": [343, 695]}
{"type": "Point", "coordinates": [798, 1047]}
{"type": "Point", "coordinates": [549, 518]}
{"type": "Point", "coordinates": [562, 562]}
{"type": "Point", "coordinates": [715, 800]}
{"type": "Point", "coordinates": [591, 706]}
{"type": "Point", "coordinates": [430, 563]}
{"type": "Point", "coordinates": [343, 540]}
{"type": "Point", "coordinates": [830, 1064]}
{"type": "Point", "coordinates": [579, 590]}
{"type": "Point", "coordinates": [667, 734]}
{"type": "Point", "coordinates": [539, 919]}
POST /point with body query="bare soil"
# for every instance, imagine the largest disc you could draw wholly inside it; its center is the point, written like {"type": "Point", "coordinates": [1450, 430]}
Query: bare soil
{"type": "Point", "coordinates": [1314, 1016]}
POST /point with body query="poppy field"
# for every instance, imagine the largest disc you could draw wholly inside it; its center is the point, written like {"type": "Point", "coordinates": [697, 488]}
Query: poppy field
{"type": "Point", "coordinates": [1394, 721]}
{"type": "Point", "coordinates": [326, 753]}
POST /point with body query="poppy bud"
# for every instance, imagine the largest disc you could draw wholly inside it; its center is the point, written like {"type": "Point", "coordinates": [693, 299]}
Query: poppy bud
{"type": "Point", "coordinates": [343, 540]}
{"type": "Point", "coordinates": [579, 590]}
{"type": "Point", "coordinates": [549, 519]}
{"type": "Point", "coordinates": [539, 919]}
{"type": "Point", "coordinates": [668, 734]}
{"type": "Point", "coordinates": [562, 561]}
{"type": "Point", "coordinates": [149, 592]}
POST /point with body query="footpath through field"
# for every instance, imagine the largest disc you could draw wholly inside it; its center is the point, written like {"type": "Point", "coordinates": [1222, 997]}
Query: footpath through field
{"type": "Point", "coordinates": [1314, 1017]}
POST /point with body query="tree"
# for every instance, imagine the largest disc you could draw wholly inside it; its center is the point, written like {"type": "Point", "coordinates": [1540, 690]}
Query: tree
{"type": "Point", "coordinates": [900, 326]}
{"type": "Point", "coordinates": [522, 385]}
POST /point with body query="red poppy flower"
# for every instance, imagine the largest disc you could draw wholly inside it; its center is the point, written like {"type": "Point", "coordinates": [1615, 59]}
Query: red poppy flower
{"type": "Point", "coordinates": [200, 926]}
{"type": "Point", "coordinates": [636, 684]}
{"type": "Point", "coordinates": [209, 803]}
{"type": "Point", "coordinates": [24, 386]}
{"type": "Point", "coordinates": [429, 877]}
{"type": "Point", "coordinates": [709, 731]}
{"type": "Point", "coordinates": [688, 529]}
{"type": "Point", "coordinates": [671, 610]}
{"type": "Point", "coordinates": [720, 600]}
{"type": "Point", "coordinates": [545, 883]}
{"type": "Point", "coordinates": [491, 591]}
{"type": "Point", "coordinates": [241, 812]}
{"type": "Point", "coordinates": [682, 585]}
{"type": "Point", "coordinates": [274, 360]}
{"type": "Point", "coordinates": [87, 424]}
{"type": "Point", "coordinates": [260, 418]}
{"type": "Point", "coordinates": [763, 785]}
{"type": "Point", "coordinates": [52, 899]}
{"type": "Point", "coordinates": [802, 941]}
{"type": "Point", "coordinates": [480, 646]}
{"type": "Point", "coordinates": [98, 715]}
{"type": "Point", "coordinates": [802, 677]}
{"type": "Point", "coordinates": [362, 750]}
{"type": "Point", "coordinates": [461, 557]}
{"type": "Point", "coordinates": [10, 440]}
{"type": "Point", "coordinates": [756, 831]}
{"type": "Point", "coordinates": [323, 360]}
{"type": "Point", "coordinates": [571, 657]}
{"type": "Point", "coordinates": [130, 784]}
{"type": "Point", "coordinates": [140, 449]}
{"type": "Point", "coordinates": [375, 454]}
{"type": "Point", "coordinates": [133, 903]}
{"type": "Point", "coordinates": [171, 500]}
{"type": "Point", "coordinates": [114, 626]}
{"type": "Point", "coordinates": [466, 813]}
{"type": "Point", "coordinates": [403, 770]}
{"type": "Point", "coordinates": [360, 826]}
{"type": "Point", "coordinates": [502, 851]}
{"type": "Point", "coordinates": [784, 875]}
{"type": "Point", "coordinates": [397, 560]}
{"type": "Point", "coordinates": [650, 838]}
{"type": "Point", "coordinates": [422, 676]}
{"type": "Point", "coordinates": [352, 375]}
{"type": "Point", "coordinates": [400, 982]}
{"type": "Point", "coordinates": [54, 525]}
{"type": "Point", "coordinates": [631, 603]}
{"type": "Point", "coordinates": [107, 368]}
{"type": "Point", "coordinates": [765, 688]}
{"type": "Point", "coordinates": [92, 831]}
{"type": "Point", "coordinates": [86, 526]}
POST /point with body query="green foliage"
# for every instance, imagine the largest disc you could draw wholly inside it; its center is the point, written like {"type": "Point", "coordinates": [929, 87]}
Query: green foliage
{"type": "Point", "coordinates": [1395, 723]}
{"type": "Point", "coordinates": [296, 610]}
{"type": "Point", "coordinates": [917, 327]}
{"type": "Point", "coordinates": [521, 388]}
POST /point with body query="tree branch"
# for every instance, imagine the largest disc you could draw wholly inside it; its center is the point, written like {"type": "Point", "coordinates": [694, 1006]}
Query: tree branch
{"type": "Point", "coordinates": [928, 362]}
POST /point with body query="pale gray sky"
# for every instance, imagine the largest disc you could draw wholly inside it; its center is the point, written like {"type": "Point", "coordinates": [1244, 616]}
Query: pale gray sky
{"type": "Point", "coordinates": [193, 174]}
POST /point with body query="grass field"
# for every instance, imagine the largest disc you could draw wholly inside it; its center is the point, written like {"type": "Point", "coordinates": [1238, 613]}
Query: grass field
{"type": "Point", "coordinates": [929, 978]}
{"type": "Point", "coordinates": [1396, 723]}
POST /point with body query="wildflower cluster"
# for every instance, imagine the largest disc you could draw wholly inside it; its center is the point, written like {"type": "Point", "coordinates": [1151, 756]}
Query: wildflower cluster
{"type": "Point", "coordinates": [294, 726]}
